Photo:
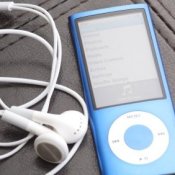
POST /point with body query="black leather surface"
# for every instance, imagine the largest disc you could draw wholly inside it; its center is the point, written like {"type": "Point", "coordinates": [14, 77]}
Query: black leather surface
{"type": "Point", "coordinates": [24, 57]}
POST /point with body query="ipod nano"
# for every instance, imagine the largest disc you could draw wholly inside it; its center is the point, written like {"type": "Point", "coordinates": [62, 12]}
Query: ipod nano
{"type": "Point", "coordinates": [125, 87]}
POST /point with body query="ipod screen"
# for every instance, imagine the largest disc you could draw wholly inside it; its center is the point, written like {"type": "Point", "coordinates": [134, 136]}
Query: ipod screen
{"type": "Point", "coordinates": [119, 58]}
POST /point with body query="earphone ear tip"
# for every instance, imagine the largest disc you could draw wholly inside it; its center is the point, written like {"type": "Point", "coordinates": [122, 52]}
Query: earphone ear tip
{"type": "Point", "coordinates": [51, 147]}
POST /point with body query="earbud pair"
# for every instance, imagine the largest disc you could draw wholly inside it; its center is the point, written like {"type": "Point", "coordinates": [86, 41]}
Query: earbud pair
{"type": "Point", "coordinates": [51, 143]}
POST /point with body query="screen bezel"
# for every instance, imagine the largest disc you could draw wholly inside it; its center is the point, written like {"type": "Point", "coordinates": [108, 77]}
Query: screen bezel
{"type": "Point", "coordinates": [97, 16]}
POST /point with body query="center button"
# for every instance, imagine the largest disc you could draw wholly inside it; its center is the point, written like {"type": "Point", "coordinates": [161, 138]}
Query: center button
{"type": "Point", "coordinates": [138, 137]}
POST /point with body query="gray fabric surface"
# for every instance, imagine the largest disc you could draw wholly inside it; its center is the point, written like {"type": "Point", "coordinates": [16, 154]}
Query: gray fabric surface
{"type": "Point", "coordinates": [24, 57]}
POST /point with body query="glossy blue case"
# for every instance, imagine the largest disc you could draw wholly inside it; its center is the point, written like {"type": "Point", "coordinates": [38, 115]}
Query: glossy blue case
{"type": "Point", "coordinates": [101, 119]}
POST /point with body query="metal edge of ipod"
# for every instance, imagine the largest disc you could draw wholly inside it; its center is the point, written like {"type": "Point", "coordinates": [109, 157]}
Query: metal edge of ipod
{"type": "Point", "coordinates": [102, 119]}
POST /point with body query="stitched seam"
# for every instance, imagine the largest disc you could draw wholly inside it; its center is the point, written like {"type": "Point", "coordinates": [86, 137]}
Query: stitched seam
{"type": "Point", "coordinates": [161, 34]}
{"type": "Point", "coordinates": [43, 25]}
{"type": "Point", "coordinates": [40, 4]}
{"type": "Point", "coordinates": [32, 19]}
{"type": "Point", "coordinates": [160, 16]}
{"type": "Point", "coordinates": [35, 17]}
{"type": "Point", "coordinates": [159, 29]}
{"type": "Point", "coordinates": [168, 11]}
{"type": "Point", "coordinates": [22, 14]}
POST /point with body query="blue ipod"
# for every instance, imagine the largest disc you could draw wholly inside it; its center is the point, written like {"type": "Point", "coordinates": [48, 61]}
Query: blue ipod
{"type": "Point", "coordinates": [130, 106]}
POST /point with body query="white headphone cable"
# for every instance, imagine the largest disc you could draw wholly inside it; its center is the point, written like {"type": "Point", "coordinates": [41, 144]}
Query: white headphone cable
{"type": "Point", "coordinates": [56, 53]}
{"type": "Point", "coordinates": [49, 47]}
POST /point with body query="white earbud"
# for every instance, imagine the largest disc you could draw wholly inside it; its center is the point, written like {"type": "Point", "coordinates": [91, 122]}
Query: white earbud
{"type": "Point", "coordinates": [49, 145]}
{"type": "Point", "coordinates": [71, 125]}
